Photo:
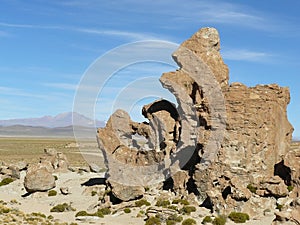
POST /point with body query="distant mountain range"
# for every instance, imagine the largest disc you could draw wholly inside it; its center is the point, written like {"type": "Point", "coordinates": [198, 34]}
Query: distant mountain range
{"type": "Point", "coordinates": [60, 120]}
{"type": "Point", "coordinates": [60, 125]}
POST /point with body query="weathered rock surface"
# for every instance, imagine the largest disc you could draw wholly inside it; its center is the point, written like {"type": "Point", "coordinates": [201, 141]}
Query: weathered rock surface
{"type": "Point", "coordinates": [240, 136]}
{"type": "Point", "coordinates": [38, 178]}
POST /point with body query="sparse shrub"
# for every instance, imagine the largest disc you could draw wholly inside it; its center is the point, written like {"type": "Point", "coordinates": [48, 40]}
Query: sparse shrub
{"type": "Point", "coordinates": [62, 208]}
{"type": "Point", "coordinates": [162, 203]}
{"type": "Point", "coordinates": [290, 188]}
{"type": "Point", "coordinates": [94, 193]}
{"type": "Point", "coordinates": [105, 211]}
{"type": "Point", "coordinates": [58, 208]}
{"type": "Point", "coordinates": [174, 207]}
{"type": "Point", "coordinates": [81, 213]}
{"type": "Point", "coordinates": [181, 201]}
{"type": "Point", "coordinates": [252, 188]}
{"type": "Point", "coordinates": [38, 215]}
{"type": "Point", "coordinates": [279, 207]}
{"type": "Point", "coordinates": [98, 213]}
{"type": "Point", "coordinates": [55, 177]}
{"type": "Point", "coordinates": [84, 213]}
{"type": "Point", "coordinates": [189, 221]}
{"type": "Point", "coordinates": [207, 219]}
{"type": "Point", "coordinates": [127, 210]}
{"type": "Point", "coordinates": [188, 209]}
{"type": "Point", "coordinates": [239, 217]}
{"type": "Point", "coordinates": [221, 220]}
{"type": "Point", "coordinates": [50, 217]}
{"type": "Point", "coordinates": [153, 221]}
{"type": "Point", "coordinates": [52, 193]}
{"type": "Point", "coordinates": [4, 210]}
{"type": "Point", "coordinates": [172, 220]}
{"type": "Point", "coordinates": [6, 181]}
{"type": "Point", "coordinates": [142, 202]}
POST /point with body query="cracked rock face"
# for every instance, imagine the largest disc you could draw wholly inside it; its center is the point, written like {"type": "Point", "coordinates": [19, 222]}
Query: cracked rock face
{"type": "Point", "coordinates": [234, 135]}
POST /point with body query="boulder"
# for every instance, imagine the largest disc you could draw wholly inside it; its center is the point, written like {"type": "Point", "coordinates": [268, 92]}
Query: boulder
{"type": "Point", "coordinates": [38, 179]}
{"type": "Point", "coordinates": [126, 193]}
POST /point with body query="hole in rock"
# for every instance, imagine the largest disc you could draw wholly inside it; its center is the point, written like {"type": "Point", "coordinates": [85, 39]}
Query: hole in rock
{"type": "Point", "coordinates": [226, 192]}
{"type": "Point", "coordinates": [192, 187]}
{"type": "Point", "coordinates": [168, 184]}
{"type": "Point", "coordinates": [208, 204]}
{"type": "Point", "coordinates": [283, 172]}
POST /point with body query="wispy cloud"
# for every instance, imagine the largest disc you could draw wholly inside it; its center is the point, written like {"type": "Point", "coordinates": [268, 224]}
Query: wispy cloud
{"type": "Point", "coordinates": [63, 86]}
{"type": "Point", "coordinates": [9, 91]}
{"type": "Point", "coordinates": [246, 55]}
{"type": "Point", "coordinates": [118, 33]}
{"type": "Point", "coordinates": [125, 34]}
{"type": "Point", "coordinates": [192, 11]}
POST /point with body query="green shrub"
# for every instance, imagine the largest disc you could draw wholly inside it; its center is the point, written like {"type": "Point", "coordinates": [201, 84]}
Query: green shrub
{"type": "Point", "coordinates": [221, 220]}
{"type": "Point", "coordinates": [52, 193]}
{"type": "Point", "coordinates": [252, 188]}
{"type": "Point", "coordinates": [127, 210]}
{"type": "Point", "coordinates": [6, 181]}
{"type": "Point", "coordinates": [84, 213]}
{"type": "Point", "coordinates": [172, 220]}
{"type": "Point", "coordinates": [62, 208]}
{"type": "Point", "coordinates": [81, 213]}
{"type": "Point", "coordinates": [38, 214]}
{"type": "Point", "coordinates": [181, 201]}
{"type": "Point", "coordinates": [55, 177]}
{"type": "Point", "coordinates": [279, 207]}
{"type": "Point", "coordinates": [142, 202]}
{"type": "Point", "coordinates": [189, 221]}
{"type": "Point", "coordinates": [98, 214]}
{"type": "Point", "coordinates": [162, 203]}
{"type": "Point", "coordinates": [290, 188]}
{"type": "Point", "coordinates": [188, 209]}
{"type": "Point", "coordinates": [50, 217]}
{"type": "Point", "coordinates": [105, 211]}
{"type": "Point", "coordinates": [239, 217]}
{"type": "Point", "coordinates": [207, 219]}
{"type": "Point", "coordinates": [94, 193]}
{"type": "Point", "coordinates": [174, 207]}
{"type": "Point", "coordinates": [4, 210]}
{"type": "Point", "coordinates": [153, 221]}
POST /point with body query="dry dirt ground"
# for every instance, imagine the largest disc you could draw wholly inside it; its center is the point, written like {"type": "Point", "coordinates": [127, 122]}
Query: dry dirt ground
{"type": "Point", "coordinates": [31, 149]}
{"type": "Point", "coordinates": [13, 196]}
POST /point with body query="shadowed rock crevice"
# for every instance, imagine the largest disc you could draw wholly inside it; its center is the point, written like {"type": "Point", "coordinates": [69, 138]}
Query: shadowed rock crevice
{"type": "Point", "coordinates": [283, 172]}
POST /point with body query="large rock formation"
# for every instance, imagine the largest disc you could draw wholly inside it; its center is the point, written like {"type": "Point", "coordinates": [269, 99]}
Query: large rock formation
{"type": "Point", "coordinates": [240, 135]}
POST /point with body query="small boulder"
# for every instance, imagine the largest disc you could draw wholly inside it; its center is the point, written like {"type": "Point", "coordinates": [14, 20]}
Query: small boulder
{"type": "Point", "coordinates": [126, 193]}
{"type": "Point", "coordinates": [39, 180]}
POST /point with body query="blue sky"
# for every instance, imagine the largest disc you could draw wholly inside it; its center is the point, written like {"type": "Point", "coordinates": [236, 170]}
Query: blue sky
{"type": "Point", "coordinates": [46, 46]}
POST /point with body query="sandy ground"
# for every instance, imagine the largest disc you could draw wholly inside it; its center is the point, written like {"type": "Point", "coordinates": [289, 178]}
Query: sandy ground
{"type": "Point", "coordinates": [41, 202]}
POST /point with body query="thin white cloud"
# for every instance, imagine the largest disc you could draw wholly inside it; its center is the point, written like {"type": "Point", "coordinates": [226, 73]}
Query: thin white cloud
{"type": "Point", "coordinates": [246, 55]}
{"type": "Point", "coordinates": [8, 91]}
{"type": "Point", "coordinates": [118, 33]}
{"type": "Point", "coordinates": [125, 34]}
{"type": "Point", "coordinates": [64, 86]}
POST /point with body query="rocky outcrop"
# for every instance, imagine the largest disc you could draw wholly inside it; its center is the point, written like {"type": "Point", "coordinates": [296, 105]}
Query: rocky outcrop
{"type": "Point", "coordinates": [39, 177]}
{"type": "Point", "coordinates": [235, 137]}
